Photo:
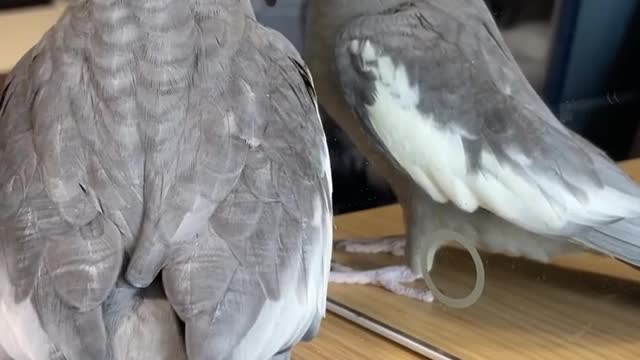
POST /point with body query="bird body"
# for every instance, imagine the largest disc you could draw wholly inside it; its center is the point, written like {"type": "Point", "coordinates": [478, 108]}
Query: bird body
{"type": "Point", "coordinates": [177, 137]}
{"type": "Point", "coordinates": [430, 93]}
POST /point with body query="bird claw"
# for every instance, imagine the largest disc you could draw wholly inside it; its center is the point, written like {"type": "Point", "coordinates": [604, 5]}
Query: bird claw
{"type": "Point", "coordinates": [335, 267]}
{"type": "Point", "coordinates": [390, 278]}
{"type": "Point", "coordinates": [391, 244]}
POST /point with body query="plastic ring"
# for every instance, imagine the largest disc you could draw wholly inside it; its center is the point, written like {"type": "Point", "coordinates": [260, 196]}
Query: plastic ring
{"type": "Point", "coordinates": [441, 237]}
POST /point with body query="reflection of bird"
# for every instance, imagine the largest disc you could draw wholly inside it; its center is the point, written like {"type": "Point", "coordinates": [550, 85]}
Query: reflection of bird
{"type": "Point", "coordinates": [430, 93]}
{"type": "Point", "coordinates": [181, 137]}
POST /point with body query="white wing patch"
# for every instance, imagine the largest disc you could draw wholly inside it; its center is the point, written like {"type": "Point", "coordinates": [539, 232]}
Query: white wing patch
{"type": "Point", "coordinates": [434, 156]}
{"type": "Point", "coordinates": [283, 322]}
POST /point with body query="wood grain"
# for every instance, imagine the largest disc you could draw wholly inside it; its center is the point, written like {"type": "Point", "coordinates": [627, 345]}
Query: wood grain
{"type": "Point", "coordinates": [580, 307]}
{"type": "Point", "coordinates": [340, 339]}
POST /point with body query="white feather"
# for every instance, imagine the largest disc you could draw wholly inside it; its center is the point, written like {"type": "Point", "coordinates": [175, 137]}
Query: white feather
{"type": "Point", "coordinates": [195, 220]}
{"type": "Point", "coordinates": [434, 156]}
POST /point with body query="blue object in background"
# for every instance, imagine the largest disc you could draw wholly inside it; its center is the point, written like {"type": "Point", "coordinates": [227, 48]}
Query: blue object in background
{"type": "Point", "coordinates": [593, 43]}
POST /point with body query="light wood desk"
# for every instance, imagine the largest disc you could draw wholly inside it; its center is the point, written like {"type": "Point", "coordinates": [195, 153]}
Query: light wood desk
{"type": "Point", "coordinates": [340, 339]}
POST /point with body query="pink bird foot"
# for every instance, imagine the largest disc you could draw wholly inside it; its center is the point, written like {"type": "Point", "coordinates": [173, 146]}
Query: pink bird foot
{"type": "Point", "coordinates": [390, 278]}
{"type": "Point", "coordinates": [390, 244]}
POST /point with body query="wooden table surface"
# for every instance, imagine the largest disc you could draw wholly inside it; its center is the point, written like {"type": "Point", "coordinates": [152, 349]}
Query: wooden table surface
{"type": "Point", "coordinates": [340, 339]}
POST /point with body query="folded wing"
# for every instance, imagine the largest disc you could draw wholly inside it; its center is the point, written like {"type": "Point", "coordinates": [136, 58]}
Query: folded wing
{"type": "Point", "coordinates": [440, 92]}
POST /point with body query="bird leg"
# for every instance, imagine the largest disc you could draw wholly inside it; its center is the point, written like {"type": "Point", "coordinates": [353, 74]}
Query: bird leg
{"type": "Point", "coordinates": [393, 244]}
{"type": "Point", "coordinates": [389, 277]}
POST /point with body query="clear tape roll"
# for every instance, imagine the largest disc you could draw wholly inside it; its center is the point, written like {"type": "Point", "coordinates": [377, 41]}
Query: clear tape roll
{"type": "Point", "coordinates": [439, 238]}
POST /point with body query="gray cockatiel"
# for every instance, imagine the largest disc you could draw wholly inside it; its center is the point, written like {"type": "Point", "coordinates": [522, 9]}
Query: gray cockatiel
{"type": "Point", "coordinates": [178, 138]}
{"type": "Point", "coordinates": [428, 90]}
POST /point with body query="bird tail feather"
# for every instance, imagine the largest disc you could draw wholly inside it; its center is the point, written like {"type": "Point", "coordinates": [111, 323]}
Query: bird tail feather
{"type": "Point", "coordinates": [620, 240]}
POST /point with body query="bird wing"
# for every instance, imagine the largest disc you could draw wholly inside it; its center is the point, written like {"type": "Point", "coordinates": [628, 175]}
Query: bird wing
{"type": "Point", "coordinates": [438, 90]}
{"type": "Point", "coordinates": [268, 257]}
{"type": "Point", "coordinates": [286, 186]}
{"type": "Point", "coordinates": [60, 255]}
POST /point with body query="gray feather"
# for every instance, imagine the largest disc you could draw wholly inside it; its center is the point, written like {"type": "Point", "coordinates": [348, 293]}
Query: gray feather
{"type": "Point", "coordinates": [176, 137]}
{"type": "Point", "coordinates": [619, 240]}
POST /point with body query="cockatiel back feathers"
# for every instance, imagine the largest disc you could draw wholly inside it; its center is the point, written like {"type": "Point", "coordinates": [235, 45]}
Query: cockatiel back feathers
{"type": "Point", "coordinates": [177, 137]}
